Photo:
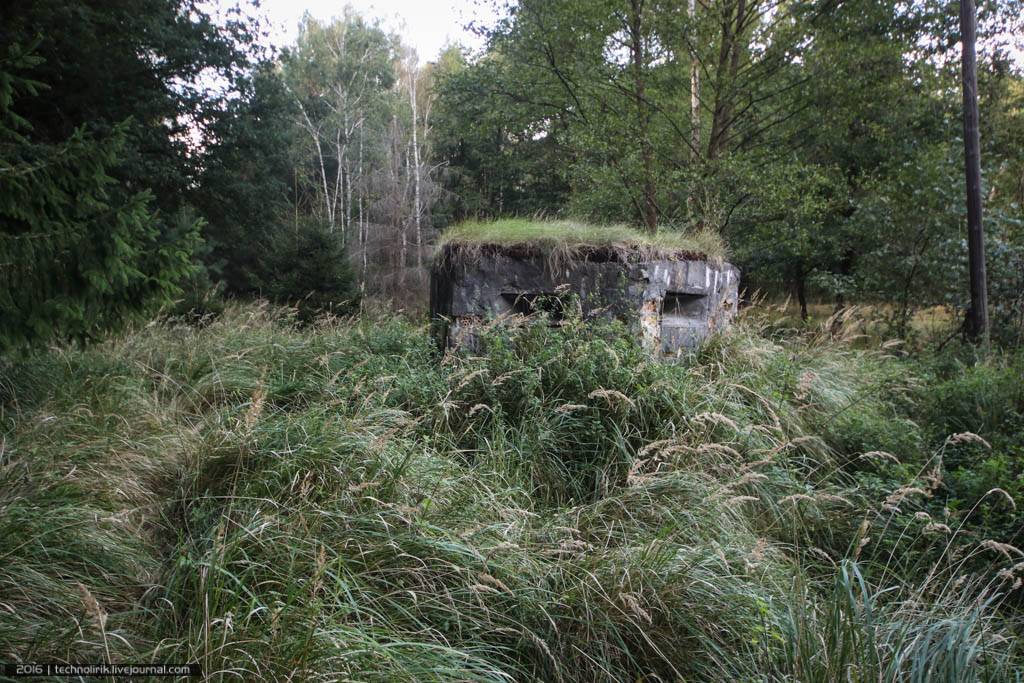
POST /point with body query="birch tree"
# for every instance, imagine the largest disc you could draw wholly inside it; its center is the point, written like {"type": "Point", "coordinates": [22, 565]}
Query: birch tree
{"type": "Point", "coordinates": [363, 103]}
{"type": "Point", "coordinates": [340, 75]}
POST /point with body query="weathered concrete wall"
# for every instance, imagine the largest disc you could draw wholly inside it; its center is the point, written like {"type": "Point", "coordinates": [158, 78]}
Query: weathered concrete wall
{"type": "Point", "coordinates": [674, 304]}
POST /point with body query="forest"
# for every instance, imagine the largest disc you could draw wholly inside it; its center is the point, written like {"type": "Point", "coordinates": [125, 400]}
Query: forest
{"type": "Point", "coordinates": [229, 440]}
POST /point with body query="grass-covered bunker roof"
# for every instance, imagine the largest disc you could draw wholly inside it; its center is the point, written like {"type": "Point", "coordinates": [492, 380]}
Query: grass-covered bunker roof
{"type": "Point", "coordinates": [567, 240]}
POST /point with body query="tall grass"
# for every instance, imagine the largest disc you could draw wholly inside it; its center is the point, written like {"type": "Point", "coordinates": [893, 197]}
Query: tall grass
{"type": "Point", "coordinates": [342, 504]}
{"type": "Point", "coordinates": [563, 239]}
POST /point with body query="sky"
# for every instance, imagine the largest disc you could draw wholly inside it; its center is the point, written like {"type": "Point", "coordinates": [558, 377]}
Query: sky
{"type": "Point", "coordinates": [426, 25]}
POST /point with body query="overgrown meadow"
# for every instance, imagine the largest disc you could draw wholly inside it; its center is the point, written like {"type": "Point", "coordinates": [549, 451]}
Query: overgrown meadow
{"type": "Point", "coordinates": [341, 502]}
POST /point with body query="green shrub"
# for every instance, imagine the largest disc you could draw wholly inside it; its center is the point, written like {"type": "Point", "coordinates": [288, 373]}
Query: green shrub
{"type": "Point", "coordinates": [307, 267]}
{"type": "Point", "coordinates": [983, 397]}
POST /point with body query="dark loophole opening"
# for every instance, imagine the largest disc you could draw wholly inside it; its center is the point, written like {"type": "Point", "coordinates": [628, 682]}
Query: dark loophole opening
{"type": "Point", "coordinates": [549, 304]}
{"type": "Point", "coordinates": [677, 306]}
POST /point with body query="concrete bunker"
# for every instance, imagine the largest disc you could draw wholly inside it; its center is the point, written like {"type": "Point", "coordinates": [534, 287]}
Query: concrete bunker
{"type": "Point", "coordinates": [673, 300]}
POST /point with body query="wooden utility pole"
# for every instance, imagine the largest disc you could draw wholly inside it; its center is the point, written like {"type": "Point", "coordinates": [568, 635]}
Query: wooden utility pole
{"type": "Point", "coordinates": [977, 316]}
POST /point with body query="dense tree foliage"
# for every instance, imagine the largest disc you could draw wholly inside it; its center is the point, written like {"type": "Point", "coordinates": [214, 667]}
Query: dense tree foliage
{"type": "Point", "coordinates": [78, 251]}
{"type": "Point", "coordinates": [246, 189]}
{"type": "Point", "coordinates": [821, 139]}
{"type": "Point", "coordinates": [148, 154]}
{"type": "Point", "coordinates": [98, 102]}
{"type": "Point", "coordinates": [103, 145]}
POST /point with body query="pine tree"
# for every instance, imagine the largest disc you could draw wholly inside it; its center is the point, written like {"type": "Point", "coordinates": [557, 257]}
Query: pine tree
{"type": "Point", "coordinates": [79, 253]}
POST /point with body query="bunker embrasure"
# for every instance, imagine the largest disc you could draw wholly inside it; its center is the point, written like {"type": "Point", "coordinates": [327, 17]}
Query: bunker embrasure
{"type": "Point", "coordinates": [674, 300]}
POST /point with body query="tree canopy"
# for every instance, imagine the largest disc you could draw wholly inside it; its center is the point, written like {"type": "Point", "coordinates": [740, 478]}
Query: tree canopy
{"type": "Point", "coordinates": [155, 153]}
{"type": "Point", "coordinates": [821, 139]}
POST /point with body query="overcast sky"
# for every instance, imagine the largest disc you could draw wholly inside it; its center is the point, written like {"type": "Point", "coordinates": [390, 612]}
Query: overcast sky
{"type": "Point", "coordinates": [426, 25]}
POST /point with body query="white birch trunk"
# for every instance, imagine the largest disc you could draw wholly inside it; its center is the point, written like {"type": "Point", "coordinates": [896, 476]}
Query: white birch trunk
{"type": "Point", "coordinates": [414, 72]}
{"type": "Point", "coordinates": [694, 88]}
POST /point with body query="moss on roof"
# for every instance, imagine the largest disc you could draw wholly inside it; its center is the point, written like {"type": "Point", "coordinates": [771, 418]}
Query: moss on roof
{"type": "Point", "coordinates": [568, 239]}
